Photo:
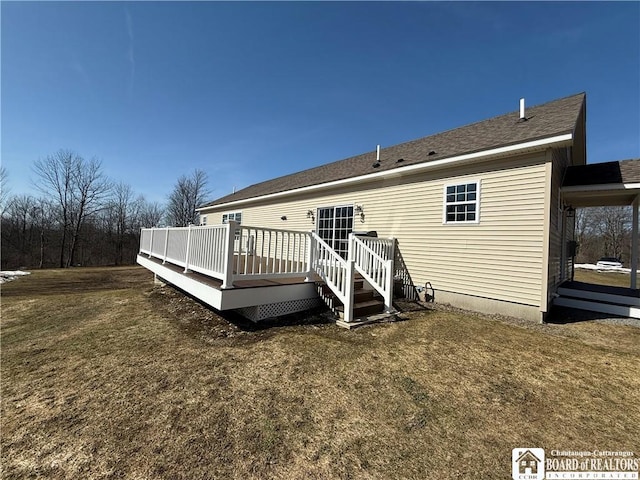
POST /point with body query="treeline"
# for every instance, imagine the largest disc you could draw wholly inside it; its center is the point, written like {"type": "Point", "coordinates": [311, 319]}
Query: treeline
{"type": "Point", "coordinates": [604, 232]}
{"type": "Point", "coordinates": [81, 217]}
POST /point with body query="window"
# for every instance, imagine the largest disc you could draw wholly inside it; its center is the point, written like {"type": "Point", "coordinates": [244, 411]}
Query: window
{"type": "Point", "coordinates": [334, 226]}
{"type": "Point", "coordinates": [232, 216]}
{"type": "Point", "coordinates": [462, 203]}
{"type": "Point", "coordinates": [203, 220]}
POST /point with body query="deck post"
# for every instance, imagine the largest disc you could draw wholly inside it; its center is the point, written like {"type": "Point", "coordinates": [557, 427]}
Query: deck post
{"type": "Point", "coordinates": [634, 243]}
{"type": "Point", "coordinates": [388, 288]}
{"type": "Point", "coordinates": [166, 243]}
{"type": "Point", "coordinates": [350, 248]}
{"type": "Point", "coordinates": [311, 254]}
{"type": "Point", "coordinates": [151, 243]}
{"type": "Point", "coordinates": [348, 304]}
{"type": "Point", "coordinates": [229, 237]}
{"type": "Point", "coordinates": [186, 260]}
{"type": "Point", "coordinates": [392, 254]}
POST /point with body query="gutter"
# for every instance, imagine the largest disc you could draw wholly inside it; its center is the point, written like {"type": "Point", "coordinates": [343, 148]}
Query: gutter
{"type": "Point", "coordinates": [527, 147]}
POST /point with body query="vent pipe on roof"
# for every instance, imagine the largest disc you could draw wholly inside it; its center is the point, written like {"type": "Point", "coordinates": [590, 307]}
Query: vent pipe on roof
{"type": "Point", "coordinates": [522, 115]}
{"type": "Point", "coordinates": [378, 154]}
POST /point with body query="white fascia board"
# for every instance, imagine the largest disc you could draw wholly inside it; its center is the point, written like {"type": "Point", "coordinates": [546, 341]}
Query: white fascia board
{"type": "Point", "coordinates": [543, 143]}
{"type": "Point", "coordinates": [600, 187]}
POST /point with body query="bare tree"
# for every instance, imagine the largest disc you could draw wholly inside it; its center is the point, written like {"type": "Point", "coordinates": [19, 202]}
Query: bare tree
{"type": "Point", "coordinates": [188, 194]}
{"type": "Point", "coordinates": [18, 228]}
{"type": "Point", "coordinates": [42, 214]}
{"type": "Point", "coordinates": [55, 179]}
{"type": "Point", "coordinates": [90, 189]}
{"type": "Point", "coordinates": [603, 231]}
{"type": "Point", "coordinates": [150, 214]}
{"type": "Point", "coordinates": [123, 211]}
{"type": "Point", "coordinates": [4, 190]}
{"type": "Point", "coordinates": [78, 187]}
{"type": "Point", "coordinates": [613, 225]}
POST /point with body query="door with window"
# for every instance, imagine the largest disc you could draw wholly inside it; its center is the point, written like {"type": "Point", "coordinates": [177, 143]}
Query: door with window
{"type": "Point", "coordinates": [334, 226]}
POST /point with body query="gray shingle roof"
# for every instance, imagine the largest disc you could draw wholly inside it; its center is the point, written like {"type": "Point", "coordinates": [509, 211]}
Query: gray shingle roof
{"type": "Point", "coordinates": [547, 120]}
{"type": "Point", "coordinates": [617, 172]}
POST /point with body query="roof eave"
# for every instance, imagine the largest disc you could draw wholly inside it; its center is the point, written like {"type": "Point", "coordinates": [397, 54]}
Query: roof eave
{"type": "Point", "coordinates": [532, 146]}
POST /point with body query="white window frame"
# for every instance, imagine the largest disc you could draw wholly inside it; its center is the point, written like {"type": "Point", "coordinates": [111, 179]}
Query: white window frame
{"type": "Point", "coordinates": [203, 220]}
{"type": "Point", "coordinates": [234, 216]}
{"type": "Point", "coordinates": [445, 204]}
{"type": "Point", "coordinates": [334, 207]}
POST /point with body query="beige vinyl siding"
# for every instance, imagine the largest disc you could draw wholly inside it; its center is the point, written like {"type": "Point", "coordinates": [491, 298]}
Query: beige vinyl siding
{"type": "Point", "coordinates": [498, 258]}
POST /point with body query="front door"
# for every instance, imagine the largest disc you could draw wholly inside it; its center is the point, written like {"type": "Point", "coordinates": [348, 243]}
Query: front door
{"type": "Point", "coordinates": [334, 226]}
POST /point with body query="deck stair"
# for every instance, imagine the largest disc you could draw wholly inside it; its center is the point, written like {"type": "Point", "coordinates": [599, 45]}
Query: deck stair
{"type": "Point", "coordinates": [368, 305]}
{"type": "Point", "coordinates": [623, 302]}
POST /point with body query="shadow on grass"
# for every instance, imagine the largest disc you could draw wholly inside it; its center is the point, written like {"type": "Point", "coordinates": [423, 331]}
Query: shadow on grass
{"type": "Point", "coordinates": [566, 315]}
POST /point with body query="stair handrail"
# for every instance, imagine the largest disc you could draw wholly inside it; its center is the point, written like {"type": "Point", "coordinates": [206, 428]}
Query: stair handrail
{"type": "Point", "coordinates": [335, 271]}
{"type": "Point", "coordinates": [376, 269]}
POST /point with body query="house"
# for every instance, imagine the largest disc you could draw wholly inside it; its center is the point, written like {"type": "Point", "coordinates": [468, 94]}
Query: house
{"type": "Point", "coordinates": [477, 212]}
{"type": "Point", "coordinates": [528, 463]}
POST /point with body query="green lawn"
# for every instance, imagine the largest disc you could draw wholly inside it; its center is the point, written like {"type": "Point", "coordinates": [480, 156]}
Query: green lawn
{"type": "Point", "coordinates": [105, 376]}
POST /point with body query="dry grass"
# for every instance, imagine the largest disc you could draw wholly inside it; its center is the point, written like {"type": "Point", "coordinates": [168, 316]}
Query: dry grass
{"type": "Point", "coordinates": [105, 378]}
{"type": "Point", "coordinates": [614, 279]}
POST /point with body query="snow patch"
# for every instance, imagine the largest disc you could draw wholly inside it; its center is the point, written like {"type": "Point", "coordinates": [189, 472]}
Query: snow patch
{"type": "Point", "coordinates": [8, 275]}
{"type": "Point", "coordinates": [590, 266]}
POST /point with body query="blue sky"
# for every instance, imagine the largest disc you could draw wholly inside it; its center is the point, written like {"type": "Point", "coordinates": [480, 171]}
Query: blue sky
{"type": "Point", "coordinates": [251, 91]}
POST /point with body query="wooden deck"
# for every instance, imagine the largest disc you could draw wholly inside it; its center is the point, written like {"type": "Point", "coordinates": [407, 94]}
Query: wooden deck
{"type": "Point", "coordinates": [217, 284]}
{"type": "Point", "coordinates": [244, 294]}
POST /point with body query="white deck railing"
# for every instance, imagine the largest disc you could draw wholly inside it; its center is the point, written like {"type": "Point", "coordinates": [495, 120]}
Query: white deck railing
{"type": "Point", "coordinates": [230, 252]}
{"type": "Point", "coordinates": [373, 259]}
{"type": "Point", "coordinates": [233, 252]}
{"type": "Point", "coordinates": [336, 272]}
{"type": "Point", "coordinates": [266, 252]}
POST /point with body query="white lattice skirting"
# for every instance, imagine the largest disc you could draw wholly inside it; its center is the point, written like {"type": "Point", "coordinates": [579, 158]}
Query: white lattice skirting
{"type": "Point", "coordinates": [261, 312]}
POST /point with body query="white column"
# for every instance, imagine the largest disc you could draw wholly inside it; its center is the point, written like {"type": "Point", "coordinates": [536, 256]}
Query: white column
{"type": "Point", "coordinates": [230, 236]}
{"type": "Point", "coordinates": [634, 243]}
{"type": "Point", "coordinates": [348, 304]}
{"type": "Point", "coordinates": [311, 257]}
{"type": "Point", "coordinates": [166, 244]}
{"type": "Point", "coordinates": [186, 260]}
{"type": "Point", "coordinates": [151, 244]}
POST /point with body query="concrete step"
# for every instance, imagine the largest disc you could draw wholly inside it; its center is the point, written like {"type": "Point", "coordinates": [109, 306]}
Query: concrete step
{"type": "Point", "coordinates": [378, 318]}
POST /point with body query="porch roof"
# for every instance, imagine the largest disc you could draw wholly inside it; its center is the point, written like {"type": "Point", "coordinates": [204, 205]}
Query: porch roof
{"type": "Point", "coordinates": [553, 120]}
{"type": "Point", "coordinates": [602, 184]}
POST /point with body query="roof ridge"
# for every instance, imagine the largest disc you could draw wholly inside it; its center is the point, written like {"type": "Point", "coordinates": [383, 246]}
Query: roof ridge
{"type": "Point", "coordinates": [490, 118]}
{"type": "Point", "coordinates": [484, 134]}
{"type": "Point", "coordinates": [408, 142]}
